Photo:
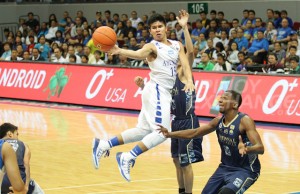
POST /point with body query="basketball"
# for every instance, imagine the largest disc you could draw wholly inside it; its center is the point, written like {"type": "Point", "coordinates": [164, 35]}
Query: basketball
{"type": "Point", "coordinates": [104, 38]}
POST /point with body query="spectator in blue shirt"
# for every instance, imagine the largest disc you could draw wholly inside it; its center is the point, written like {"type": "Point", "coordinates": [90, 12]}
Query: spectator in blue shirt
{"type": "Point", "coordinates": [199, 29]}
{"type": "Point", "coordinates": [277, 19]}
{"type": "Point", "coordinates": [258, 27]}
{"type": "Point", "coordinates": [245, 17]}
{"type": "Point", "coordinates": [259, 48]}
{"type": "Point", "coordinates": [284, 15]}
{"type": "Point", "coordinates": [283, 32]}
{"type": "Point", "coordinates": [241, 40]}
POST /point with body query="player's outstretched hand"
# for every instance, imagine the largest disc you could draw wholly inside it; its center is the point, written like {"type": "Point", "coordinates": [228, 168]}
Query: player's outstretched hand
{"type": "Point", "coordinates": [164, 131]}
{"type": "Point", "coordinates": [189, 87]}
{"type": "Point", "coordinates": [139, 81]}
{"type": "Point", "coordinates": [242, 147]}
{"type": "Point", "coordinates": [114, 50]}
{"type": "Point", "coordinates": [183, 18]}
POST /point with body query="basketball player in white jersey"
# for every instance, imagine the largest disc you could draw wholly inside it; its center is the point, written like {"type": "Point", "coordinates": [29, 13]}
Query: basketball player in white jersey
{"type": "Point", "coordinates": [162, 56]}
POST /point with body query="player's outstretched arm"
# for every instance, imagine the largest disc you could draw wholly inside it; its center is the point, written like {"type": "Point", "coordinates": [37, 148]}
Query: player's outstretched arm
{"type": "Point", "coordinates": [250, 129]}
{"type": "Point", "coordinates": [142, 53]}
{"type": "Point", "coordinates": [191, 133]}
{"type": "Point", "coordinates": [187, 71]}
{"type": "Point", "coordinates": [183, 19]}
{"type": "Point", "coordinates": [12, 168]}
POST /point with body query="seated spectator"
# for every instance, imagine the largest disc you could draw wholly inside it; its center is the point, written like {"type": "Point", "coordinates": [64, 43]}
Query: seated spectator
{"type": "Point", "coordinates": [7, 51]}
{"type": "Point", "coordinates": [259, 48]}
{"type": "Point", "coordinates": [294, 37]}
{"type": "Point", "coordinates": [31, 44]}
{"type": "Point", "coordinates": [258, 27]}
{"type": "Point", "coordinates": [235, 26]}
{"type": "Point", "coordinates": [172, 21]}
{"type": "Point", "coordinates": [79, 48]}
{"type": "Point", "coordinates": [91, 57]}
{"type": "Point", "coordinates": [270, 33]}
{"type": "Point", "coordinates": [58, 56]}
{"type": "Point", "coordinates": [58, 38]}
{"type": "Point", "coordinates": [248, 31]}
{"type": "Point", "coordinates": [123, 61]}
{"type": "Point", "coordinates": [232, 38]}
{"type": "Point", "coordinates": [284, 15]}
{"type": "Point", "coordinates": [283, 33]}
{"type": "Point", "coordinates": [26, 56]}
{"type": "Point", "coordinates": [43, 47]}
{"type": "Point", "coordinates": [146, 36]}
{"type": "Point", "coordinates": [179, 32]}
{"type": "Point", "coordinates": [120, 31]}
{"type": "Point", "coordinates": [199, 29]}
{"type": "Point", "coordinates": [273, 65]}
{"type": "Point", "coordinates": [139, 31]}
{"type": "Point", "coordinates": [291, 53]}
{"type": "Point", "coordinates": [78, 37]}
{"type": "Point", "coordinates": [241, 40]}
{"type": "Point", "coordinates": [173, 35]}
{"type": "Point", "coordinates": [52, 30]}
{"type": "Point", "coordinates": [33, 23]}
{"type": "Point", "coordinates": [133, 44]}
{"type": "Point", "coordinates": [98, 60]}
{"type": "Point", "coordinates": [205, 63]}
{"type": "Point", "coordinates": [84, 59]}
{"type": "Point", "coordinates": [219, 49]}
{"type": "Point", "coordinates": [280, 53]}
{"type": "Point", "coordinates": [201, 42]}
{"type": "Point", "coordinates": [71, 51]}
{"type": "Point", "coordinates": [233, 54]}
{"type": "Point", "coordinates": [242, 63]}
{"type": "Point", "coordinates": [224, 39]}
{"type": "Point", "coordinates": [277, 19]}
{"type": "Point", "coordinates": [210, 48]}
{"type": "Point", "coordinates": [13, 56]}
{"type": "Point", "coordinates": [36, 55]}
{"type": "Point", "coordinates": [212, 36]}
{"type": "Point", "coordinates": [73, 58]}
{"type": "Point", "coordinates": [222, 63]}
{"type": "Point", "coordinates": [111, 60]}
{"type": "Point", "coordinates": [197, 56]}
{"type": "Point", "coordinates": [43, 30]}
{"type": "Point", "coordinates": [294, 62]}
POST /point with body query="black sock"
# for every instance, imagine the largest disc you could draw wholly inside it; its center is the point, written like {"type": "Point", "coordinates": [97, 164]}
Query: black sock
{"type": "Point", "coordinates": [181, 190]}
{"type": "Point", "coordinates": [188, 193]}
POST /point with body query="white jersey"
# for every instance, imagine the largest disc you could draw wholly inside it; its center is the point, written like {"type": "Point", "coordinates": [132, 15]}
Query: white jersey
{"type": "Point", "coordinates": [164, 67]}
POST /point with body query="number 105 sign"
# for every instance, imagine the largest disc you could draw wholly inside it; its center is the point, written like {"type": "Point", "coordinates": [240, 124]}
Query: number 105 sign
{"type": "Point", "coordinates": [196, 8]}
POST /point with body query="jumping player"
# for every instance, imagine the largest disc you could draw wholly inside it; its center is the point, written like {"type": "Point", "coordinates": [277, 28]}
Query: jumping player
{"type": "Point", "coordinates": [9, 133]}
{"type": "Point", "coordinates": [162, 56]}
{"type": "Point", "coordinates": [240, 144]}
{"type": "Point", "coordinates": [184, 151]}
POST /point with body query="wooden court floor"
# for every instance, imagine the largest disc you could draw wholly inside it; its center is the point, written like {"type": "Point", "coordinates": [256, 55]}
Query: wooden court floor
{"type": "Point", "coordinates": [60, 142]}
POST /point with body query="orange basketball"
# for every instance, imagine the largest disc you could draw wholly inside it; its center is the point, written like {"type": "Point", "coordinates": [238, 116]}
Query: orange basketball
{"type": "Point", "coordinates": [104, 38]}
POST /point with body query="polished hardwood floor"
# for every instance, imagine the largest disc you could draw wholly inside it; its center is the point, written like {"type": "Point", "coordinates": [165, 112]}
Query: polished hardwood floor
{"type": "Point", "coordinates": [60, 141]}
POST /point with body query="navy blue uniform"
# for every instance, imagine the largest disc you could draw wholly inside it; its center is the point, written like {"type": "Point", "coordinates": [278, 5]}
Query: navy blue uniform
{"type": "Point", "coordinates": [183, 108]}
{"type": "Point", "coordinates": [19, 148]}
{"type": "Point", "coordinates": [1, 159]}
{"type": "Point", "coordinates": [235, 172]}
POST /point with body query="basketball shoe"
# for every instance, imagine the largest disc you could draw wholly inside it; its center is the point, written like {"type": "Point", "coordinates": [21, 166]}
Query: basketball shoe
{"type": "Point", "coordinates": [100, 148]}
{"type": "Point", "coordinates": [125, 160]}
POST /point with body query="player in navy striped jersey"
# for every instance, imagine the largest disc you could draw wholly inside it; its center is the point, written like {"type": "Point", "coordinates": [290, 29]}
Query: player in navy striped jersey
{"type": "Point", "coordinates": [240, 144]}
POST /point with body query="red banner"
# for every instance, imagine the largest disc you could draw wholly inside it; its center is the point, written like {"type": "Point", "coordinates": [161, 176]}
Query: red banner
{"type": "Point", "coordinates": [265, 98]}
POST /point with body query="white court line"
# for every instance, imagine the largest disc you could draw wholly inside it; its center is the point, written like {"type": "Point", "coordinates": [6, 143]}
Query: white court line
{"type": "Point", "coordinates": [146, 180]}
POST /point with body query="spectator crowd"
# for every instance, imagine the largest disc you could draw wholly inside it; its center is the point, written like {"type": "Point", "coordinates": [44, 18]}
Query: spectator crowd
{"type": "Point", "coordinates": [248, 44]}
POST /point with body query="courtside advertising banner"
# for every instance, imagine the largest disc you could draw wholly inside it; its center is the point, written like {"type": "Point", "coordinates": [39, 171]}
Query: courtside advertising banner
{"type": "Point", "coordinates": [265, 97]}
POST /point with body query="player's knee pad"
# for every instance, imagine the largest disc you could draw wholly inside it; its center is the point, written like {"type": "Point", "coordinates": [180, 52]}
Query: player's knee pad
{"type": "Point", "coordinates": [226, 191]}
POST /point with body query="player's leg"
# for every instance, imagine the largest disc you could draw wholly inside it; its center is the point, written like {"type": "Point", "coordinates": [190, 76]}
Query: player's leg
{"type": "Point", "coordinates": [215, 182]}
{"type": "Point", "coordinates": [127, 159]}
{"type": "Point", "coordinates": [179, 175]}
{"type": "Point", "coordinates": [239, 180]}
{"type": "Point", "coordinates": [190, 151]}
{"type": "Point", "coordinates": [102, 147]}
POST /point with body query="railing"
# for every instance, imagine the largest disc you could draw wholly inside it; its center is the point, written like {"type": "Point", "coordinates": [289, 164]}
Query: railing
{"type": "Point", "coordinates": [11, 26]}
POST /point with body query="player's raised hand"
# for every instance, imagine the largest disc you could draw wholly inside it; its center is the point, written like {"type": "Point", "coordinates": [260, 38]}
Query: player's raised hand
{"type": "Point", "coordinates": [139, 81]}
{"type": "Point", "coordinates": [242, 147]}
{"type": "Point", "coordinates": [189, 87]}
{"type": "Point", "coordinates": [183, 18]}
{"type": "Point", "coordinates": [163, 130]}
{"type": "Point", "coordinates": [114, 50]}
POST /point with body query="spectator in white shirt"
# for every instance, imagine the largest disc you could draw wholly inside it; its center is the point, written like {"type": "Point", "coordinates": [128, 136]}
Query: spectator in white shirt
{"type": "Point", "coordinates": [134, 19]}
{"type": "Point", "coordinates": [52, 30]}
{"type": "Point", "coordinates": [98, 60]}
{"type": "Point", "coordinates": [222, 63]}
{"type": "Point", "coordinates": [58, 56]}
